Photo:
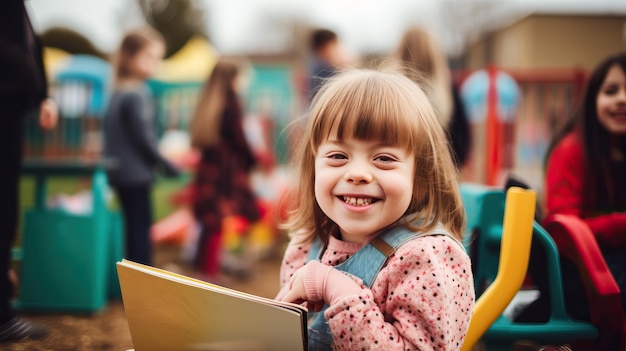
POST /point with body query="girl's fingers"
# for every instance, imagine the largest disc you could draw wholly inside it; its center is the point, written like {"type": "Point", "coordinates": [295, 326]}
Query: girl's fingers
{"type": "Point", "coordinates": [281, 294]}
{"type": "Point", "coordinates": [291, 296]}
{"type": "Point", "coordinates": [284, 290]}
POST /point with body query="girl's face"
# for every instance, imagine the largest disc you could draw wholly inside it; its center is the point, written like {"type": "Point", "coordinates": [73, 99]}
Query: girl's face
{"type": "Point", "coordinates": [611, 102]}
{"type": "Point", "coordinates": [241, 83]}
{"type": "Point", "coordinates": [145, 63]}
{"type": "Point", "coordinates": [363, 186]}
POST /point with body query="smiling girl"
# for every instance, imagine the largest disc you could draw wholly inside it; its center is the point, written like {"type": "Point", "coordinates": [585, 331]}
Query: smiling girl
{"type": "Point", "coordinates": [377, 223]}
{"type": "Point", "coordinates": [586, 165]}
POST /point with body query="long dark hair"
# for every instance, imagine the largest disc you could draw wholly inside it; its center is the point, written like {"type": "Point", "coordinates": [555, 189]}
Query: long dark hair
{"type": "Point", "coordinates": [599, 180]}
{"type": "Point", "coordinates": [207, 119]}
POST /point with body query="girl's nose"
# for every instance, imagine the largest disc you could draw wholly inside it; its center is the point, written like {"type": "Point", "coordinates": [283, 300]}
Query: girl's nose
{"type": "Point", "coordinates": [622, 94]}
{"type": "Point", "coordinates": [358, 173]}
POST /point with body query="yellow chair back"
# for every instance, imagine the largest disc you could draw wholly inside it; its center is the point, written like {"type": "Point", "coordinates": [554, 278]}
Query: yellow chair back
{"type": "Point", "coordinates": [517, 232]}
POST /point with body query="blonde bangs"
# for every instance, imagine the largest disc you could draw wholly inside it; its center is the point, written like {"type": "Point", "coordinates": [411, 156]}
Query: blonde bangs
{"type": "Point", "coordinates": [371, 106]}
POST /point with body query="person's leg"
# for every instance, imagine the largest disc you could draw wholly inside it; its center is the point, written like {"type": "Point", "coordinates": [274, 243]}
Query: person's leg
{"type": "Point", "coordinates": [211, 265]}
{"type": "Point", "coordinates": [210, 218]}
{"type": "Point", "coordinates": [11, 327]}
{"type": "Point", "coordinates": [137, 209]}
{"type": "Point", "coordinates": [10, 164]}
{"type": "Point", "coordinates": [617, 265]}
{"type": "Point", "coordinates": [576, 302]}
{"type": "Point", "coordinates": [609, 339]}
{"type": "Point", "coordinates": [538, 311]}
{"type": "Point", "coordinates": [143, 242]}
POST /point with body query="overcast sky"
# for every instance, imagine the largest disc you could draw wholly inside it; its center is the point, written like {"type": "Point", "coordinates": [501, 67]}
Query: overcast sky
{"type": "Point", "coordinates": [244, 26]}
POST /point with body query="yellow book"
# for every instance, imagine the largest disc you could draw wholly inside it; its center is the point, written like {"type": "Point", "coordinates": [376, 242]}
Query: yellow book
{"type": "Point", "coordinates": [169, 311]}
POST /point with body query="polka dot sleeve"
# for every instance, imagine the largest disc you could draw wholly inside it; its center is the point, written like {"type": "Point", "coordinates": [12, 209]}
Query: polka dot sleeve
{"type": "Point", "coordinates": [294, 258]}
{"type": "Point", "coordinates": [422, 300]}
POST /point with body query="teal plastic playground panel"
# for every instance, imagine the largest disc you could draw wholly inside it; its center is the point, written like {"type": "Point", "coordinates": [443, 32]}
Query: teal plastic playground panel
{"type": "Point", "coordinates": [272, 91]}
{"type": "Point", "coordinates": [64, 262]}
{"type": "Point", "coordinates": [484, 209]}
{"type": "Point", "coordinates": [68, 259]}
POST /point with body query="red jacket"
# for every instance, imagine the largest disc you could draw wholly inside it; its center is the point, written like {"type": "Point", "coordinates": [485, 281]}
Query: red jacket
{"type": "Point", "coordinates": [565, 181]}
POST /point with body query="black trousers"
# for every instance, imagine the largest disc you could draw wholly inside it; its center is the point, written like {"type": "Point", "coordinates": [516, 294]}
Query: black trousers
{"type": "Point", "coordinates": [11, 135]}
{"type": "Point", "coordinates": [136, 205]}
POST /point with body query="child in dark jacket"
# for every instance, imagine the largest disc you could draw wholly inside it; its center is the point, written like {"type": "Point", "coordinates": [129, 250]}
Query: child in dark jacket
{"type": "Point", "coordinates": [130, 140]}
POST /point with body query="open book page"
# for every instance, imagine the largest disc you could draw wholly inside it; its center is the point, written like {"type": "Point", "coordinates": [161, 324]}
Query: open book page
{"type": "Point", "coordinates": [168, 311]}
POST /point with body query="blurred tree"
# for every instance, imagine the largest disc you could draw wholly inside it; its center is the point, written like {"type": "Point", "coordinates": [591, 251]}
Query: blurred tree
{"type": "Point", "coordinates": [465, 21]}
{"type": "Point", "coordinates": [71, 41]}
{"type": "Point", "coordinates": [176, 20]}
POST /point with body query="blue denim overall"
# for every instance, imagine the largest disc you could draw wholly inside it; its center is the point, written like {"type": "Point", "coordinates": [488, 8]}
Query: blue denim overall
{"type": "Point", "coordinates": [365, 264]}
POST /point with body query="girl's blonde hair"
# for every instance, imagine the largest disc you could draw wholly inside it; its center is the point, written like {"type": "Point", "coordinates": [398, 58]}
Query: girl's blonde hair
{"type": "Point", "coordinates": [132, 43]}
{"type": "Point", "coordinates": [205, 125]}
{"type": "Point", "coordinates": [421, 58]}
{"type": "Point", "coordinates": [378, 106]}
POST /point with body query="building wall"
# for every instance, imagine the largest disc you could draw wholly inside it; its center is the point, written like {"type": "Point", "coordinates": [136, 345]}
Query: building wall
{"type": "Point", "coordinates": [514, 46]}
{"type": "Point", "coordinates": [551, 41]}
{"type": "Point", "coordinates": [576, 41]}
{"type": "Point", "coordinates": [476, 55]}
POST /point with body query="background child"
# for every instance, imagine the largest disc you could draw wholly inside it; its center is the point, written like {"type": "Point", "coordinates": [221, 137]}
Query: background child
{"type": "Point", "coordinates": [586, 168]}
{"type": "Point", "coordinates": [328, 57]}
{"type": "Point", "coordinates": [222, 184]}
{"type": "Point", "coordinates": [422, 58]}
{"type": "Point", "coordinates": [378, 199]}
{"type": "Point", "coordinates": [130, 140]}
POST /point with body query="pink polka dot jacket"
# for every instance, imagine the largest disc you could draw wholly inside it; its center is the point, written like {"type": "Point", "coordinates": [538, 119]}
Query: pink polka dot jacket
{"type": "Point", "coordinates": [421, 300]}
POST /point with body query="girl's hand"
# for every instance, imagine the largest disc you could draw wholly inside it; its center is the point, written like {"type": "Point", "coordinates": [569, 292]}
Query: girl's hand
{"type": "Point", "coordinates": [48, 114]}
{"type": "Point", "coordinates": [170, 171]}
{"type": "Point", "coordinates": [316, 284]}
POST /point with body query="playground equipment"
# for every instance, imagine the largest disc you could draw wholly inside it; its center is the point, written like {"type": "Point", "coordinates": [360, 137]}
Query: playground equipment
{"type": "Point", "coordinates": [501, 232]}
{"type": "Point", "coordinates": [68, 259]}
{"type": "Point", "coordinates": [191, 63]}
{"type": "Point", "coordinates": [81, 89]}
{"type": "Point", "coordinates": [491, 97]}
{"type": "Point", "coordinates": [577, 243]}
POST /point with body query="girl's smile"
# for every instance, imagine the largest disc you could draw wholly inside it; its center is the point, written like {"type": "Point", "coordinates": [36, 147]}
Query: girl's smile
{"type": "Point", "coordinates": [363, 186]}
{"type": "Point", "coordinates": [358, 201]}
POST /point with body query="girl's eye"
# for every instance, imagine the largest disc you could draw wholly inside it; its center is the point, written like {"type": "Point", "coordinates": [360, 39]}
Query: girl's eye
{"type": "Point", "coordinates": [610, 90]}
{"type": "Point", "coordinates": [384, 159]}
{"type": "Point", "coordinates": [337, 157]}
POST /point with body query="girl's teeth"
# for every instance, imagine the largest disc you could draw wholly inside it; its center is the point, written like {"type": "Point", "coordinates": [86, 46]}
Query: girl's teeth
{"type": "Point", "coordinates": [357, 201]}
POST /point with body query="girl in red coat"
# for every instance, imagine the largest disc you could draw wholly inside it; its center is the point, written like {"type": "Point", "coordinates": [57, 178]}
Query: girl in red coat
{"type": "Point", "coordinates": [586, 165]}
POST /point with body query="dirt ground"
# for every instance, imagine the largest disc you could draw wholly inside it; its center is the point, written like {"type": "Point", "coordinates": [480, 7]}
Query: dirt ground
{"type": "Point", "coordinates": [108, 329]}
